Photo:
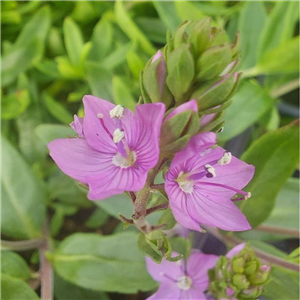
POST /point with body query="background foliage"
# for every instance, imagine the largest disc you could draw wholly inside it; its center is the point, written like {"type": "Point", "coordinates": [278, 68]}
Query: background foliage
{"type": "Point", "coordinates": [53, 53]}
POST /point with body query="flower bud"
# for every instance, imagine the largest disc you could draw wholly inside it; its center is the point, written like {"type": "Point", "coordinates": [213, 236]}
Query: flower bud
{"type": "Point", "coordinates": [178, 127]}
{"type": "Point", "coordinates": [154, 80]}
{"type": "Point", "coordinates": [198, 63]}
{"type": "Point", "coordinates": [238, 275]}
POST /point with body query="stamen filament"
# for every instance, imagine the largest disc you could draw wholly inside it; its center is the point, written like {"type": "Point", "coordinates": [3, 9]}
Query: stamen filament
{"type": "Point", "coordinates": [225, 187]}
{"type": "Point", "coordinates": [100, 116]}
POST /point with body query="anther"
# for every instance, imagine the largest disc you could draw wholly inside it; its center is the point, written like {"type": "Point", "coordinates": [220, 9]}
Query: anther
{"type": "Point", "coordinates": [117, 112]}
{"type": "Point", "coordinates": [100, 116]}
{"type": "Point", "coordinates": [211, 171]}
{"type": "Point", "coordinates": [118, 135]}
{"type": "Point", "coordinates": [225, 159]}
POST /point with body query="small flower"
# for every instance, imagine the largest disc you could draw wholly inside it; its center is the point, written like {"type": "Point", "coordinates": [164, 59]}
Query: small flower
{"type": "Point", "coordinates": [182, 280]}
{"type": "Point", "coordinates": [202, 182]}
{"type": "Point", "coordinates": [115, 148]}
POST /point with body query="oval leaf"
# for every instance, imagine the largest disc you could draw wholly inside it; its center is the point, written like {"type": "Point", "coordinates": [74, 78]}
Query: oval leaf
{"type": "Point", "coordinates": [275, 156]}
{"type": "Point", "coordinates": [23, 198]}
{"type": "Point", "coordinates": [103, 263]}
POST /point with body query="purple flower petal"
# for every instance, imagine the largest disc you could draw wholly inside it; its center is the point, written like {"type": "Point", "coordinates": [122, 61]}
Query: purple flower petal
{"type": "Point", "coordinates": [235, 250]}
{"type": "Point", "coordinates": [166, 271]}
{"type": "Point", "coordinates": [197, 144]}
{"type": "Point", "coordinates": [95, 134]}
{"type": "Point", "coordinates": [77, 126]}
{"type": "Point", "coordinates": [190, 105]}
{"type": "Point", "coordinates": [168, 291]}
{"type": "Point", "coordinates": [77, 158]}
{"type": "Point", "coordinates": [197, 266]}
{"type": "Point", "coordinates": [201, 182]}
{"type": "Point", "coordinates": [142, 133]}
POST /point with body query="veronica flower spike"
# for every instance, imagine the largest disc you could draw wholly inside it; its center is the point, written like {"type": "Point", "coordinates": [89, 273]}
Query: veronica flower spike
{"type": "Point", "coordinates": [114, 149]}
{"type": "Point", "coordinates": [202, 182]}
{"type": "Point", "coordinates": [182, 280]}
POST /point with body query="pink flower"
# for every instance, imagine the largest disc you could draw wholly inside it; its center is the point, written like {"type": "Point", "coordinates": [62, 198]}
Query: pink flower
{"type": "Point", "coordinates": [201, 182]}
{"type": "Point", "coordinates": [180, 280]}
{"type": "Point", "coordinates": [115, 148]}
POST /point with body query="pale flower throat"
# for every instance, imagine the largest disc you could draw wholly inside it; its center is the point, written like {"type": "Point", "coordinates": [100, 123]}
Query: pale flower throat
{"type": "Point", "coordinates": [125, 157]}
{"type": "Point", "coordinates": [184, 283]}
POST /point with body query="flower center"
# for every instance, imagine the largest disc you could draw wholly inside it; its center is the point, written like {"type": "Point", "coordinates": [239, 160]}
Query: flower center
{"type": "Point", "coordinates": [124, 162]}
{"type": "Point", "coordinates": [184, 283]}
{"type": "Point", "coordinates": [186, 185]}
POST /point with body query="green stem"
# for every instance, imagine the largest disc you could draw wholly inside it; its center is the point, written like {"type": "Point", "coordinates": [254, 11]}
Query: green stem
{"type": "Point", "coordinates": [286, 88]}
{"type": "Point", "coordinates": [21, 245]}
{"type": "Point", "coordinates": [261, 254]}
{"type": "Point", "coordinates": [279, 230]}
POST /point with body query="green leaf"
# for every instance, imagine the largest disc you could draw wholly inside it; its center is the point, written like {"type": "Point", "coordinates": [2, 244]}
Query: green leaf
{"type": "Point", "coordinates": [280, 26]}
{"type": "Point", "coordinates": [96, 262]}
{"type": "Point", "coordinates": [167, 12]}
{"type": "Point", "coordinates": [251, 20]}
{"type": "Point", "coordinates": [97, 219]}
{"type": "Point", "coordinates": [116, 58]}
{"type": "Point", "coordinates": [57, 110]}
{"type": "Point", "coordinates": [284, 285]}
{"type": "Point", "coordinates": [23, 197]}
{"type": "Point", "coordinates": [286, 211]}
{"type": "Point", "coordinates": [122, 93]}
{"type": "Point", "coordinates": [130, 28]}
{"type": "Point", "coordinates": [188, 11]}
{"type": "Point", "coordinates": [275, 156]}
{"type": "Point", "coordinates": [135, 63]}
{"type": "Point", "coordinates": [249, 104]}
{"type": "Point", "coordinates": [285, 215]}
{"type": "Point", "coordinates": [50, 132]}
{"type": "Point", "coordinates": [48, 67]}
{"type": "Point", "coordinates": [13, 288]}
{"type": "Point", "coordinates": [64, 290]}
{"type": "Point", "coordinates": [14, 104]}
{"type": "Point", "coordinates": [73, 40]}
{"type": "Point", "coordinates": [67, 70]}
{"type": "Point", "coordinates": [101, 40]}
{"type": "Point", "coordinates": [18, 60]}
{"type": "Point", "coordinates": [282, 59]}
{"type": "Point", "coordinates": [153, 28]}
{"type": "Point", "coordinates": [35, 29]}
{"type": "Point", "coordinates": [14, 265]}
{"type": "Point", "coordinates": [99, 80]}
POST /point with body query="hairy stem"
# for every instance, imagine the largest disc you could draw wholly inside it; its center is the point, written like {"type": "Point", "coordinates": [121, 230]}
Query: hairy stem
{"type": "Point", "coordinates": [46, 270]}
{"type": "Point", "coordinates": [156, 208]}
{"type": "Point", "coordinates": [142, 197]}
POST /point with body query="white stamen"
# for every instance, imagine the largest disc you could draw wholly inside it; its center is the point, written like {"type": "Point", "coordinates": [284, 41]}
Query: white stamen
{"type": "Point", "coordinates": [117, 112]}
{"type": "Point", "coordinates": [211, 170]}
{"type": "Point", "coordinates": [184, 283]}
{"type": "Point", "coordinates": [179, 262]}
{"type": "Point", "coordinates": [118, 135]}
{"type": "Point", "coordinates": [225, 159]}
{"type": "Point", "coordinates": [248, 196]}
{"type": "Point", "coordinates": [221, 129]}
{"type": "Point", "coordinates": [100, 116]}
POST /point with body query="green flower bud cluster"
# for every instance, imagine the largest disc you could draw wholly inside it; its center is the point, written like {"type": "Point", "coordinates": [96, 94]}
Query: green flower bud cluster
{"type": "Point", "coordinates": [197, 63]}
{"type": "Point", "coordinates": [240, 277]}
